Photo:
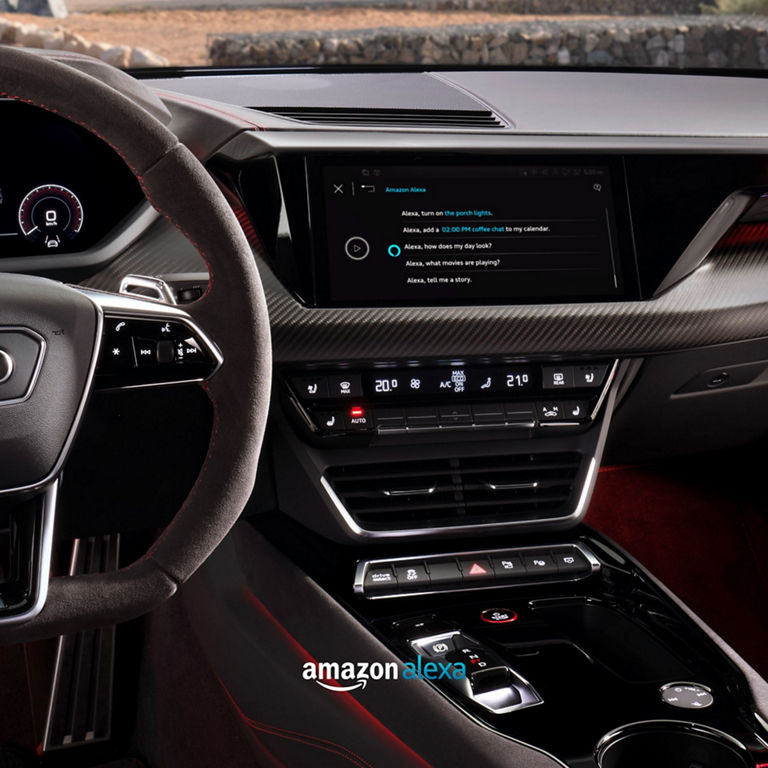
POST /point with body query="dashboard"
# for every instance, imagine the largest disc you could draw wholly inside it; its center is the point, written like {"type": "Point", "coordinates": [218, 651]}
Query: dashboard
{"type": "Point", "coordinates": [453, 276]}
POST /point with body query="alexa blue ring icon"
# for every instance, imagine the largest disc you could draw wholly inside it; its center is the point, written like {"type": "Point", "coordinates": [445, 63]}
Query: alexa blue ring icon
{"type": "Point", "coordinates": [394, 250]}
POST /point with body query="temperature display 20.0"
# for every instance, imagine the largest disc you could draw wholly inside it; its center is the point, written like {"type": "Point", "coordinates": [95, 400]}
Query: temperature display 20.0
{"type": "Point", "coordinates": [454, 381]}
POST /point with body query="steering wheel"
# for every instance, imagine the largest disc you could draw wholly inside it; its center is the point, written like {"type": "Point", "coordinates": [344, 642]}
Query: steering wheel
{"type": "Point", "coordinates": [62, 328]}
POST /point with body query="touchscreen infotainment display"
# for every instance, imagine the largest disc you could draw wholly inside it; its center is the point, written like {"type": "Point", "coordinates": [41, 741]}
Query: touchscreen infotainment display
{"type": "Point", "coordinates": [410, 234]}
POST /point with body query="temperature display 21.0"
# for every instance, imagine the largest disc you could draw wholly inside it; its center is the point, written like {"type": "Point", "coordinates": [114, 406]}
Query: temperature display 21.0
{"type": "Point", "coordinates": [455, 381]}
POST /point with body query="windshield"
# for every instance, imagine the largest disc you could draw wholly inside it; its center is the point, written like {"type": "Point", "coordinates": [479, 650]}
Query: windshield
{"type": "Point", "coordinates": [283, 33]}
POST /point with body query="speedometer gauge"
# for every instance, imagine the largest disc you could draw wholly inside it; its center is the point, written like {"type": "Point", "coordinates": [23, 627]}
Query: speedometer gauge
{"type": "Point", "coordinates": [50, 213]}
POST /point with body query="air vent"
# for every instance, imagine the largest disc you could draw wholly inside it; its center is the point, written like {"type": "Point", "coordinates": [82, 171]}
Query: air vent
{"type": "Point", "coordinates": [402, 118]}
{"type": "Point", "coordinates": [451, 492]}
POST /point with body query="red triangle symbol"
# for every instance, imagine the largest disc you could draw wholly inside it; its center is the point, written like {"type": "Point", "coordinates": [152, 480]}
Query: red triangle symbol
{"type": "Point", "coordinates": [477, 570]}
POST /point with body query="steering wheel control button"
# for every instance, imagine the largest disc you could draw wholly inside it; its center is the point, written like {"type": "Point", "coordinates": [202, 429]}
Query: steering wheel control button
{"type": "Point", "coordinates": [380, 577]}
{"type": "Point", "coordinates": [498, 616]}
{"type": "Point", "coordinates": [118, 355]}
{"type": "Point", "coordinates": [6, 366]}
{"type": "Point", "coordinates": [412, 575]}
{"type": "Point", "coordinates": [557, 377]}
{"type": "Point", "coordinates": [146, 351]}
{"type": "Point", "coordinates": [357, 248]}
{"type": "Point", "coordinates": [687, 695]}
{"type": "Point", "coordinates": [508, 566]}
{"type": "Point", "coordinates": [539, 564]}
{"type": "Point", "coordinates": [476, 570]}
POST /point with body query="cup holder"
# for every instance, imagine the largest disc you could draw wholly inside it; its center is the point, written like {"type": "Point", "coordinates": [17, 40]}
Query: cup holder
{"type": "Point", "coordinates": [670, 744]}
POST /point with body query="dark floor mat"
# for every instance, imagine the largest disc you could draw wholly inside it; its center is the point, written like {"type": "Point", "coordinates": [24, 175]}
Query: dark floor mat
{"type": "Point", "coordinates": [701, 537]}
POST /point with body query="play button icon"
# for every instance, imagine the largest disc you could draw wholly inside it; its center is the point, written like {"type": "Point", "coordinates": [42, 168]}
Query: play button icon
{"type": "Point", "coordinates": [357, 248]}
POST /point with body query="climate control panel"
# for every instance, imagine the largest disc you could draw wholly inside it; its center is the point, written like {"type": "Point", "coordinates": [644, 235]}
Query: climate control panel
{"type": "Point", "coordinates": [421, 397]}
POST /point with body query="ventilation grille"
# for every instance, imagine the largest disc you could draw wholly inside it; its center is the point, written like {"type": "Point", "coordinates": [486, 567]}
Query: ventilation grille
{"type": "Point", "coordinates": [451, 492]}
{"type": "Point", "coordinates": [404, 118]}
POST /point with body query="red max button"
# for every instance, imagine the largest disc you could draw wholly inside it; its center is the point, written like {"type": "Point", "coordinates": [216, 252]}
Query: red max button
{"type": "Point", "coordinates": [498, 616]}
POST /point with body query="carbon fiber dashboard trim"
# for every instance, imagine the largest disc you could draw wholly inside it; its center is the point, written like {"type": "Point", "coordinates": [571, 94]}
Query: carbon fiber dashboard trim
{"type": "Point", "coordinates": [724, 300]}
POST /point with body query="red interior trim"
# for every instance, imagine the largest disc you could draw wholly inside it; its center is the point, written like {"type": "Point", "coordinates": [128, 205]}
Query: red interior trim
{"type": "Point", "coordinates": [352, 704]}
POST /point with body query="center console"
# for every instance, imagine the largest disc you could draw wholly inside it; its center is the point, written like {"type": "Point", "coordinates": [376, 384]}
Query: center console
{"type": "Point", "coordinates": [564, 643]}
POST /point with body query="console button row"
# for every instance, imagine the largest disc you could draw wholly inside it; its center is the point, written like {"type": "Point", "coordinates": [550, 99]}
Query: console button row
{"type": "Point", "coordinates": [394, 420]}
{"type": "Point", "coordinates": [406, 576]}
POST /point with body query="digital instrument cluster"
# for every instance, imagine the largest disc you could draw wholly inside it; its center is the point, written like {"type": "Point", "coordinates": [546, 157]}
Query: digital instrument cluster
{"type": "Point", "coordinates": [62, 190]}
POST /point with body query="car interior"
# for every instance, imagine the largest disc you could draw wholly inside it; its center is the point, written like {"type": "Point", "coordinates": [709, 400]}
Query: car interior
{"type": "Point", "coordinates": [403, 417]}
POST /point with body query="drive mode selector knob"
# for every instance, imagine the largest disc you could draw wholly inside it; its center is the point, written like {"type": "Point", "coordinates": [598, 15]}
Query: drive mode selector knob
{"type": "Point", "coordinates": [6, 366]}
{"type": "Point", "coordinates": [687, 695]}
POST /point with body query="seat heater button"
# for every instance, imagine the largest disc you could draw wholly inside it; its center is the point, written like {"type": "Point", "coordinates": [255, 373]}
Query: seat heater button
{"type": "Point", "coordinates": [331, 421]}
{"type": "Point", "coordinates": [412, 575]}
{"type": "Point", "coordinates": [575, 410]}
{"type": "Point", "coordinates": [379, 577]}
{"type": "Point", "coordinates": [444, 573]}
{"type": "Point", "coordinates": [590, 375]}
{"type": "Point", "coordinates": [310, 387]}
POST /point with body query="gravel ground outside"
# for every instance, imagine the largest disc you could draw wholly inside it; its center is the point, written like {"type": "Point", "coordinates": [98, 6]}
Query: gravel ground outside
{"type": "Point", "coordinates": [181, 35]}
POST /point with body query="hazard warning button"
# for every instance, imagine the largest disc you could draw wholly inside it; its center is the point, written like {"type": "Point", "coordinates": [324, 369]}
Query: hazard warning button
{"type": "Point", "coordinates": [476, 570]}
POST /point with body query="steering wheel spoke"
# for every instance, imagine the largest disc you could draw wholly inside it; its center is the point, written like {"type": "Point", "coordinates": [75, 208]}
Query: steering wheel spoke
{"type": "Point", "coordinates": [26, 541]}
{"type": "Point", "coordinates": [147, 344]}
